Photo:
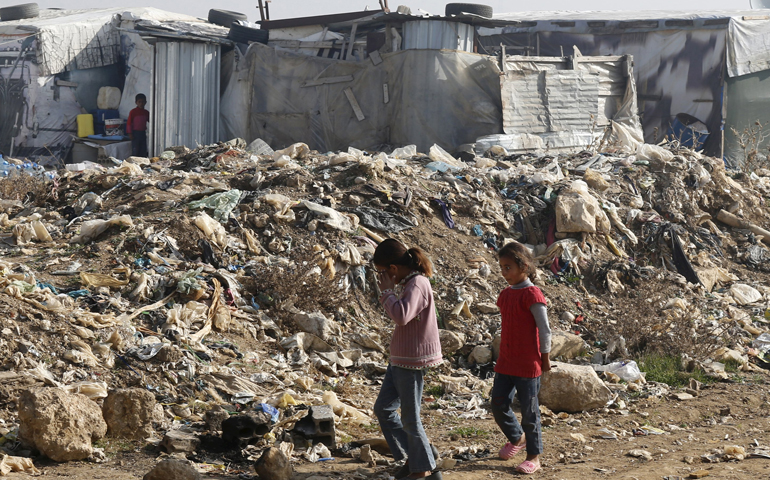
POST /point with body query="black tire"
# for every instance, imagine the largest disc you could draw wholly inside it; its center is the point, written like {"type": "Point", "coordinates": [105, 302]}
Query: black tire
{"type": "Point", "coordinates": [241, 34]}
{"type": "Point", "coordinates": [474, 8]}
{"type": "Point", "coordinates": [225, 18]}
{"type": "Point", "coordinates": [19, 12]}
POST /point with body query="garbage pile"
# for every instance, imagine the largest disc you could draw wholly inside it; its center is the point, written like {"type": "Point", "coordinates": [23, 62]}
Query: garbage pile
{"type": "Point", "coordinates": [220, 301]}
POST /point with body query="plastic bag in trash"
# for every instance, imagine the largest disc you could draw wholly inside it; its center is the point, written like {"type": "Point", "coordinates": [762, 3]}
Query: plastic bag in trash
{"type": "Point", "coordinates": [744, 294]}
{"type": "Point", "coordinates": [221, 203]}
{"type": "Point", "coordinates": [274, 413]}
{"type": "Point", "coordinates": [382, 220]}
{"type": "Point", "coordinates": [627, 370]}
{"type": "Point", "coordinates": [762, 343]}
{"type": "Point", "coordinates": [653, 153]}
{"type": "Point", "coordinates": [148, 351]}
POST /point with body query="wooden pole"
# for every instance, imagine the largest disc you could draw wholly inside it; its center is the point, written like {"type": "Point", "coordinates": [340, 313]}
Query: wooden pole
{"type": "Point", "coordinates": [261, 11]}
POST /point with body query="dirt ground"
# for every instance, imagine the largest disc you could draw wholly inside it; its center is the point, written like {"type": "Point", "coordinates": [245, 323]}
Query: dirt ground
{"type": "Point", "coordinates": [723, 414]}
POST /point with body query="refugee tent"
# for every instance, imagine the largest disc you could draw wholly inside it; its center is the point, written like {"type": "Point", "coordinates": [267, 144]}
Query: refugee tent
{"type": "Point", "coordinates": [53, 65]}
{"type": "Point", "coordinates": [710, 65]}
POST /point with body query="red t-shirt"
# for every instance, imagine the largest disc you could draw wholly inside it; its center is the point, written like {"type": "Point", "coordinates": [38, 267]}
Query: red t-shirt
{"type": "Point", "coordinates": [520, 340]}
{"type": "Point", "coordinates": [137, 120]}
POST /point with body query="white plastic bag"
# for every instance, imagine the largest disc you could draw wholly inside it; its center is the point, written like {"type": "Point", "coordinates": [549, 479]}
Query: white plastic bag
{"type": "Point", "coordinates": [653, 153]}
{"type": "Point", "coordinates": [744, 294]}
{"type": "Point", "coordinates": [627, 370]}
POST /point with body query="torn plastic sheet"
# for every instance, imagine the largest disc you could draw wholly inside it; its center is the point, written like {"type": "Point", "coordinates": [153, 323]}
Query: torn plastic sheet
{"type": "Point", "coordinates": [382, 220]}
{"type": "Point", "coordinates": [333, 218]}
{"type": "Point", "coordinates": [222, 203]}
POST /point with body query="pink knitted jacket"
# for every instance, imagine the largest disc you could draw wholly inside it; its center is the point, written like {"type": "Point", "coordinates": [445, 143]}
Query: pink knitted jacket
{"type": "Point", "coordinates": [415, 343]}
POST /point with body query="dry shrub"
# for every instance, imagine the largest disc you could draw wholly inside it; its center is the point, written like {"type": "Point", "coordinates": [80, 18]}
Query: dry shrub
{"type": "Point", "coordinates": [647, 329]}
{"type": "Point", "coordinates": [26, 189]}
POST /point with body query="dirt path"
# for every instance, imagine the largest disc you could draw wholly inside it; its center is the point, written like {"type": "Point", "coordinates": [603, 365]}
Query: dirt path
{"type": "Point", "coordinates": [722, 415]}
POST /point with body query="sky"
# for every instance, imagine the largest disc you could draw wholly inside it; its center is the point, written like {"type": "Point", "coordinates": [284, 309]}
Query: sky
{"type": "Point", "coordinates": [280, 9]}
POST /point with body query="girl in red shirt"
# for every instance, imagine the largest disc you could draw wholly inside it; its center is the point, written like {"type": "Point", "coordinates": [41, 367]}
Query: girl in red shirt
{"type": "Point", "coordinates": [524, 355]}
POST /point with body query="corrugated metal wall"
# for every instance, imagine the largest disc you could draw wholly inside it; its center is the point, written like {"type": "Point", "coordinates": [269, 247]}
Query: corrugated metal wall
{"type": "Point", "coordinates": [438, 34]}
{"type": "Point", "coordinates": [186, 96]}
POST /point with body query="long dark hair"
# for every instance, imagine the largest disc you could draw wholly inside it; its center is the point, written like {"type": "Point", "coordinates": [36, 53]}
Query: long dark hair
{"type": "Point", "coordinates": [393, 252]}
{"type": "Point", "coordinates": [521, 255]}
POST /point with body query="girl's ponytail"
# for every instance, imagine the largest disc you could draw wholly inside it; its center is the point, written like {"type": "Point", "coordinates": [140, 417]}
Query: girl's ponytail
{"type": "Point", "coordinates": [419, 261]}
{"type": "Point", "coordinates": [393, 252]}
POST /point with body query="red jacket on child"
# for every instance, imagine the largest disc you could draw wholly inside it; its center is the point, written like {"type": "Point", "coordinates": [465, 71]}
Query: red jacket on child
{"type": "Point", "coordinates": [520, 339]}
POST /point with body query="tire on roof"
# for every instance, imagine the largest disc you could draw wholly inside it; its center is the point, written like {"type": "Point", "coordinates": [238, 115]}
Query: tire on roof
{"type": "Point", "coordinates": [474, 8]}
{"type": "Point", "coordinates": [19, 12]}
{"type": "Point", "coordinates": [226, 18]}
{"type": "Point", "coordinates": [241, 34]}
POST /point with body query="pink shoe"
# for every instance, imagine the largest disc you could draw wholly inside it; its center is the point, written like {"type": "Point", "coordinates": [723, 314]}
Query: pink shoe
{"type": "Point", "coordinates": [510, 450]}
{"type": "Point", "coordinates": [528, 467]}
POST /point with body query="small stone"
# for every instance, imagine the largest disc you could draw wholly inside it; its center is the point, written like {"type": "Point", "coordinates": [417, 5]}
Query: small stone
{"type": "Point", "coordinates": [689, 460]}
{"type": "Point", "coordinates": [179, 441]}
{"type": "Point", "coordinates": [487, 308]}
{"type": "Point", "coordinates": [273, 465]}
{"type": "Point", "coordinates": [172, 468]}
{"type": "Point", "coordinates": [215, 417]}
{"type": "Point", "coordinates": [567, 317]}
{"type": "Point", "coordinates": [480, 355]}
{"type": "Point", "coordinates": [359, 180]}
{"type": "Point", "coordinates": [700, 474]}
{"type": "Point", "coordinates": [639, 453]}
{"type": "Point", "coordinates": [681, 396]}
{"type": "Point", "coordinates": [355, 200]}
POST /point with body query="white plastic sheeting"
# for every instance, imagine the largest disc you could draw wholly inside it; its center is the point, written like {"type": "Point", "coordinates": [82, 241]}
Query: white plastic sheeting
{"type": "Point", "coordinates": [747, 50]}
{"type": "Point", "coordinates": [568, 102]}
{"type": "Point", "coordinates": [420, 34]}
{"type": "Point", "coordinates": [416, 97]}
{"type": "Point", "coordinates": [81, 39]}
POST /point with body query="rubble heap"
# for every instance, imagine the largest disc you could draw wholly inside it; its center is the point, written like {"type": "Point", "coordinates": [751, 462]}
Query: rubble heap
{"type": "Point", "coordinates": [233, 283]}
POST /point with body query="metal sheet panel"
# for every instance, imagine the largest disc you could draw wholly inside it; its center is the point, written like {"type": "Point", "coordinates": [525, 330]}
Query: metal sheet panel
{"type": "Point", "coordinates": [436, 35]}
{"type": "Point", "coordinates": [186, 96]}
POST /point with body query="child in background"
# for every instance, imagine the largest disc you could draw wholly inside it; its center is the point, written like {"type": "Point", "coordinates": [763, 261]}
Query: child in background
{"type": "Point", "coordinates": [524, 355]}
{"type": "Point", "coordinates": [415, 346]}
{"type": "Point", "coordinates": [136, 127]}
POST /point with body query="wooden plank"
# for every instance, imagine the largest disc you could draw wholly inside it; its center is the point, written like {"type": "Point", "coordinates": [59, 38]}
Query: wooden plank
{"type": "Point", "coordinates": [327, 81]}
{"type": "Point", "coordinates": [354, 103]}
{"type": "Point", "coordinates": [375, 57]}
{"type": "Point", "coordinates": [385, 94]}
{"type": "Point", "coordinates": [352, 40]}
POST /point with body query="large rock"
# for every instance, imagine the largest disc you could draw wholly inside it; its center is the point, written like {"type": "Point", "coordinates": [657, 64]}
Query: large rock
{"type": "Point", "coordinates": [59, 424]}
{"type": "Point", "coordinates": [129, 413]}
{"type": "Point", "coordinates": [451, 341]}
{"type": "Point", "coordinates": [172, 468]}
{"type": "Point", "coordinates": [273, 465]}
{"type": "Point", "coordinates": [565, 344]}
{"type": "Point", "coordinates": [572, 388]}
{"type": "Point", "coordinates": [317, 324]}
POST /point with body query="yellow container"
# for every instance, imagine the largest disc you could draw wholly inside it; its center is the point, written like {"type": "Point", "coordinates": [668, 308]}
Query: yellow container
{"type": "Point", "coordinates": [85, 125]}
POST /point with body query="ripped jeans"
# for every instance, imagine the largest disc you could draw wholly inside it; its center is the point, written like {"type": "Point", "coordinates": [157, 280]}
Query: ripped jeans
{"type": "Point", "coordinates": [526, 389]}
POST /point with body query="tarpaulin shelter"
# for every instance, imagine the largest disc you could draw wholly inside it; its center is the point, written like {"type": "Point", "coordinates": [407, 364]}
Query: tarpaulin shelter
{"type": "Point", "coordinates": [52, 66]}
{"type": "Point", "coordinates": [710, 65]}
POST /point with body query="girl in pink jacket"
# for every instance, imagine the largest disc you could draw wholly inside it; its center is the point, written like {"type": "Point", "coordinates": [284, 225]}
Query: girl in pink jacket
{"type": "Point", "coordinates": [415, 346]}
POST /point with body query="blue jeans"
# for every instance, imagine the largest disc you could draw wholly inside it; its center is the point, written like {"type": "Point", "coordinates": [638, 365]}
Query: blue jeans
{"type": "Point", "coordinates": [526, 389]}
{"type": "Point", "coordinates": [405, 435]}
